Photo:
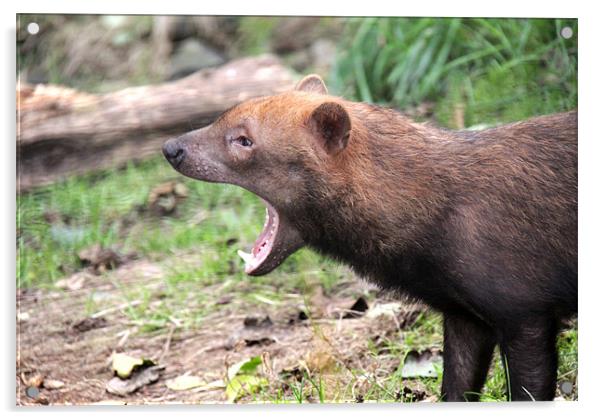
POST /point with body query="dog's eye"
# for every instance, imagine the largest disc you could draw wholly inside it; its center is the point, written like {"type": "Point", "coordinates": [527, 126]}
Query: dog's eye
{"type": "Point", "coordinates": [244, 141]}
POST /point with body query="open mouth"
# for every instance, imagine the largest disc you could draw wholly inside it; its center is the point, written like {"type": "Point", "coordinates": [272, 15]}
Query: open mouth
{"type": "Point", "coordinates": [276, 241]}
{"type": "Point", "coordinates": [279, 237]}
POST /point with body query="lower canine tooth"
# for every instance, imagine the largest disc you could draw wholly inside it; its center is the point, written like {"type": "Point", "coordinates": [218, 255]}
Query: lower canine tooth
{"type": "Point", "coordinates": [246, 257]}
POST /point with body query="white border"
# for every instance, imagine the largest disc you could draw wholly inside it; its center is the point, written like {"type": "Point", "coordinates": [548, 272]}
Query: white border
{"type": "Point", "coordinates": [508, 8]}
{"type": "Point", "coordinates": [590, 210]}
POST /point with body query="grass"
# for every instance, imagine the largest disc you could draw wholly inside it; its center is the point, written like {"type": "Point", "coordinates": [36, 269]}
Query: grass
{"type": "Point", "coordinates": [55, 223]}
{"type": "Point", "coordinates": [313, 388]}
{"type": "Point", "coordinates": [254, 34]}
{"type": "Point", "coordinates": [105, 208]}
{"type": "Point", "coordinates": [485, 70]}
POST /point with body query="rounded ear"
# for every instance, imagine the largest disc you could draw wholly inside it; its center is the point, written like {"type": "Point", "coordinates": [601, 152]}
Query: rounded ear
{"type": "Point", "coordinates": [312, 83]}
{"type": "Point", "coordinates": [331, 125]}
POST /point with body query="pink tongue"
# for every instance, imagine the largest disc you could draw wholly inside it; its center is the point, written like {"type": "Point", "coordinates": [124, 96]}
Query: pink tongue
{"type": "Point", "coordinates": [264, 236]}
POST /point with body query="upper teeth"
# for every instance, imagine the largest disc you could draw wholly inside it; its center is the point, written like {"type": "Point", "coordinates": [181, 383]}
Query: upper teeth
{"type": "Point", "coordinates": [246, 257]}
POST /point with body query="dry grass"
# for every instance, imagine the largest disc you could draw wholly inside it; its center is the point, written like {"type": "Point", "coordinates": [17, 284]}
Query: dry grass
{"type": "Point", "coordinates": [70, 336]}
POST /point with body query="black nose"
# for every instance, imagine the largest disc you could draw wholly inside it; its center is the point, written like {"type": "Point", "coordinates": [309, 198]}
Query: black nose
{"type": "Point", "coordinates": [173, 152]}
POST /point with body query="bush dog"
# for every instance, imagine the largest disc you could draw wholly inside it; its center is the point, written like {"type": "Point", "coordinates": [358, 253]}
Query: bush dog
{"type": "Point", "coordinates": [480, 225]}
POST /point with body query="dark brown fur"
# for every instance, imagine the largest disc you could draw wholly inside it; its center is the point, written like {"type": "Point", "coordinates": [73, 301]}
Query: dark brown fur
{"type": "Point", "coordinates": [480, 225]}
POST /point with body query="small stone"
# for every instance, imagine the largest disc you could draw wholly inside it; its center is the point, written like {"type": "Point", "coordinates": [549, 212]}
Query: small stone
{"type": "Point", "coordinates": [53, 384]}
{"type": "Point", "coordinates": [32, 392]}
{"type": "Point", "coordinates": [23, 317]}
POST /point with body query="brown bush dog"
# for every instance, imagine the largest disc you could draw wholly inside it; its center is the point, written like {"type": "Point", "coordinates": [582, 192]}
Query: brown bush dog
{"type": "Point", "coordinates": [481, 225]}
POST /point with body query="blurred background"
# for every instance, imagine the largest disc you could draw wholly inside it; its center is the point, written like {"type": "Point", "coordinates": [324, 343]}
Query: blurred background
{"type": "Point", "coordinates": [495, 70]}
{"type": "Point", "coordinates": [95, 209]}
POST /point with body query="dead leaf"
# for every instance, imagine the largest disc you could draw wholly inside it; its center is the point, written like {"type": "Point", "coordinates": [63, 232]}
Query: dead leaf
{"type": "Point", "coordinates": [426, 364]}
{"type": "Point", "coordinates": [100, 259]}
{"type": "Point", "coordinates": [89, 255]}
{"type": "Point", "coordinates": [320, 358]}
{"type": "Point", "coordinates": [255, 322]}
{"type": "Point", "coordinates": [124, 365]}
{"type": "Point", "coordinates": [74, 282]}
{"type": "Point", "coordinates": [180, 190]}
{"type": "Point", "coordinates": [254, 333]}
{"type": "Point", "coordinates": [164, 198]}
{"type": "Point", "coordinates": [409, 394]}
{"type": "Point", "coordinates": [88, 324]}
{"type": "Point", "coordinates": [166, 188]}
{"type": "Point", "coordinates": [294, 372]}
{"type": "Point", "coordinates": [35, 380]}
{"type": "Point", "coordinates": [138, 379]}
{"type": "Point", "coordinates": [184, 382]}
{"type": "Point", "coordinates": [262, 341]}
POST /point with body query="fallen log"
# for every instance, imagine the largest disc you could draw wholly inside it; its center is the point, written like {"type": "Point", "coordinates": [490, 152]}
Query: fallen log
{"type": "Point", "coordinates": [62, 131]}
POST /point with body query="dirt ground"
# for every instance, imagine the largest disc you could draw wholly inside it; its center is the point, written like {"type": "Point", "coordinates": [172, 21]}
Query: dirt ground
{"type": "Point", "coordinates": [58, 339]}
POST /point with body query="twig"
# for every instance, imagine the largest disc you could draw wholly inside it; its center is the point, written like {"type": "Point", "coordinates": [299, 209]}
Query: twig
{"type": "Point", "coordinates": [167, 344]}
{"type": "Point", "coordinates": [116, 308]}
{"type": "Point", "coordinates": [125, 335]}
{"type": "Point", "coordinates": [201, 351]}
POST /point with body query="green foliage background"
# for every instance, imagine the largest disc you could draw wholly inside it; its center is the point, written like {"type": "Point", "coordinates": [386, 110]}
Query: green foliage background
{"type": "Point", "coordinates": [496, 70]}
